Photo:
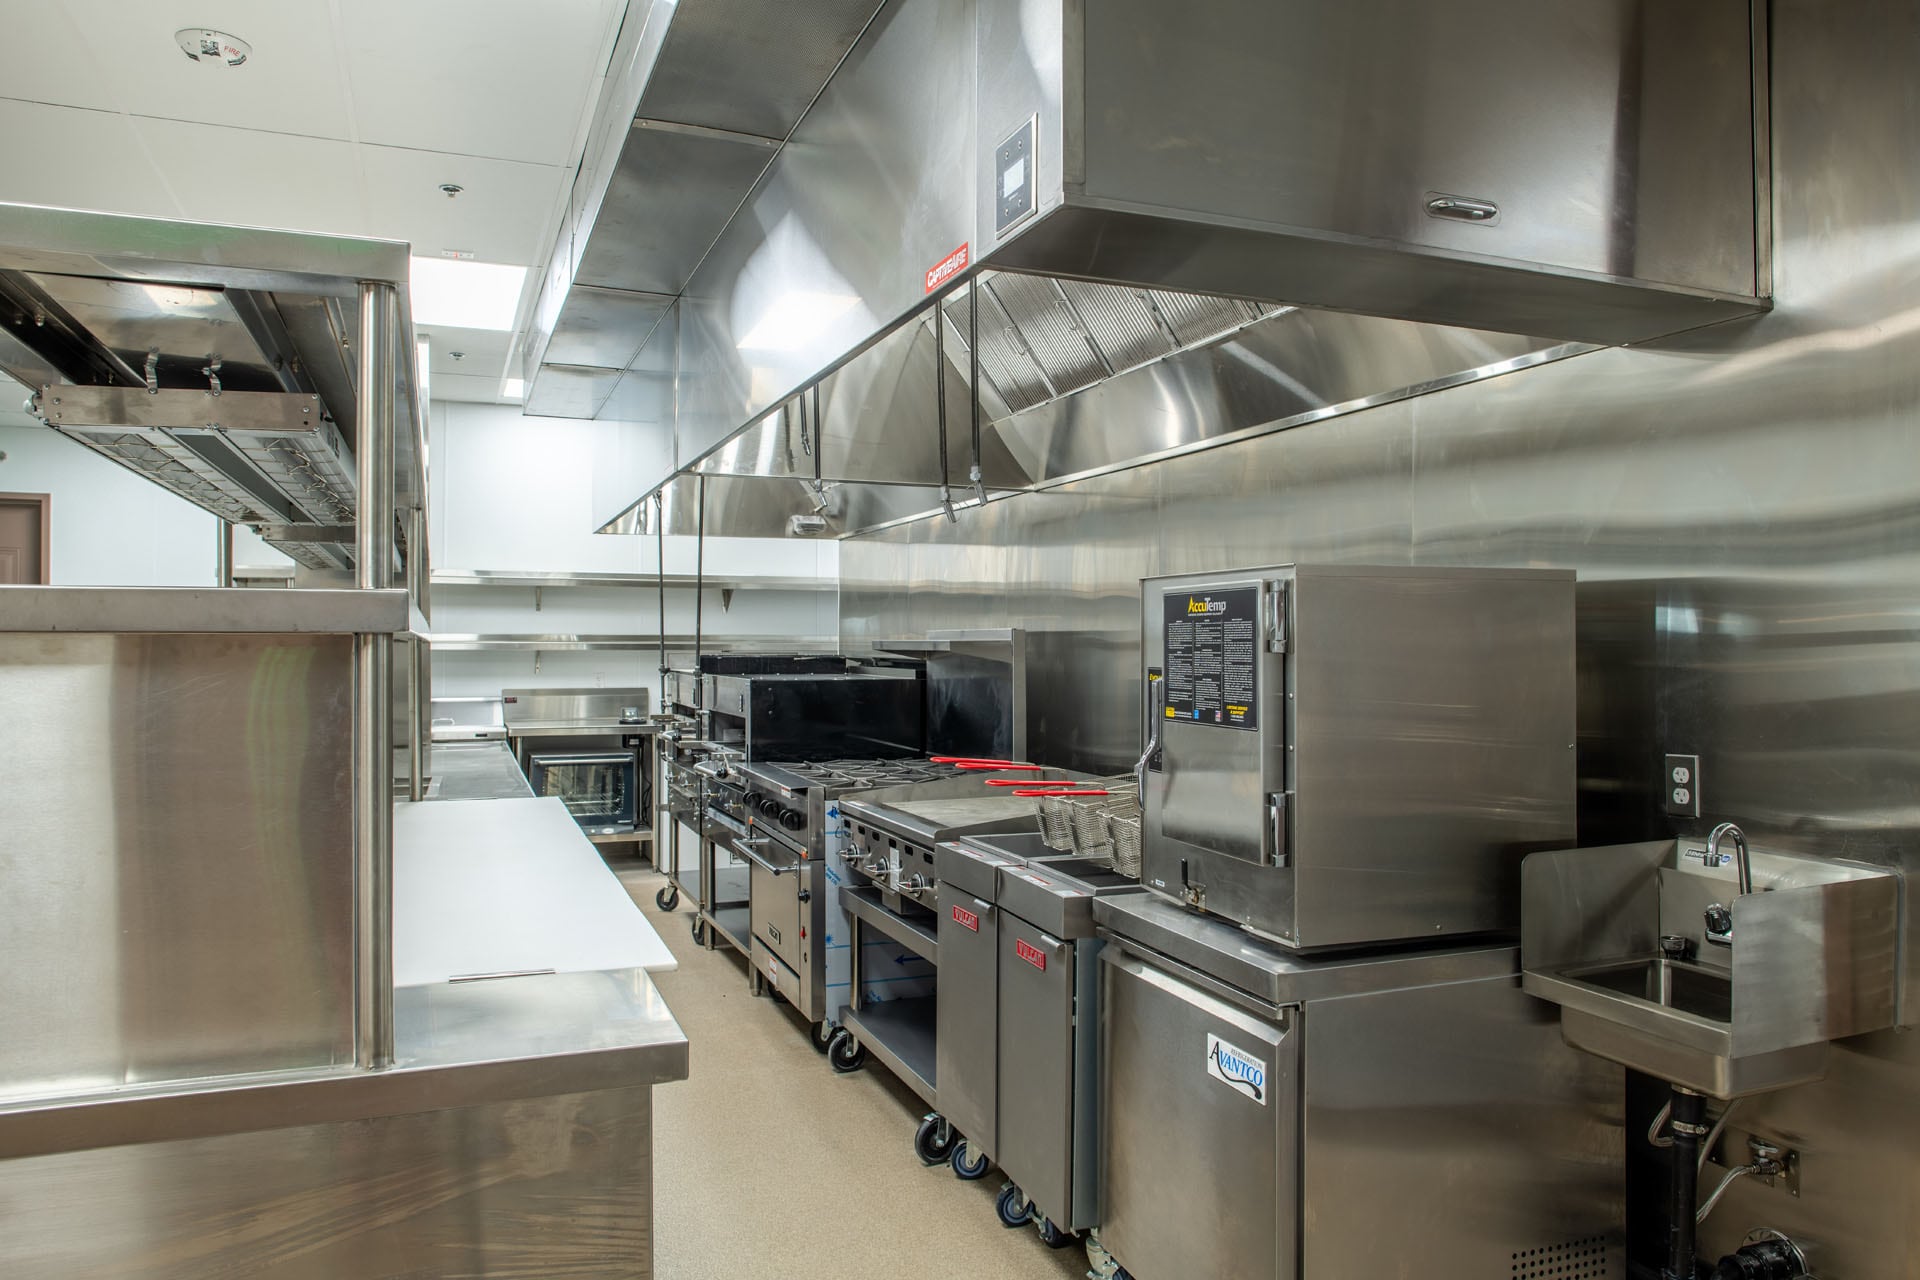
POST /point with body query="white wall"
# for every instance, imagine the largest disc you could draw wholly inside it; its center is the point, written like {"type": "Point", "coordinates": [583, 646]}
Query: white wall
{"type": "Point", "coordinates": [516, 493]}
{"type": "Point", "coordinates": [110, 526]}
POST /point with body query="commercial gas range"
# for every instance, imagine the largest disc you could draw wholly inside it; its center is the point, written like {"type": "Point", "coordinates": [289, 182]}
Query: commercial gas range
{"type": "Point", "coordinates": [894, 834]}
{"type": "Point", "coordinates": [782, 817]}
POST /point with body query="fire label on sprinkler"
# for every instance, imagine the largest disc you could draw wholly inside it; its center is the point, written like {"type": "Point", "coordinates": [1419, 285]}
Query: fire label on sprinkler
{"type": "Point", "coordinates": [1237, 1068]}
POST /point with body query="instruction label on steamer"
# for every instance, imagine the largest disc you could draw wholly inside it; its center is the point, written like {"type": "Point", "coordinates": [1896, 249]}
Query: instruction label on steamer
{"type": "Point", "coordinates": [1211, 640]}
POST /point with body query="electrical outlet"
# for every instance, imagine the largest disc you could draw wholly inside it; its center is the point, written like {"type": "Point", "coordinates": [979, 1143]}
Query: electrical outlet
{"type": "Point", "coordinates": [1680, 784]}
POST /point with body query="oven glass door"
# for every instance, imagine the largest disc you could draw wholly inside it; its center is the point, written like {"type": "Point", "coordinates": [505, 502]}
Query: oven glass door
{"type": "Point", "coordinates": [597, 787]}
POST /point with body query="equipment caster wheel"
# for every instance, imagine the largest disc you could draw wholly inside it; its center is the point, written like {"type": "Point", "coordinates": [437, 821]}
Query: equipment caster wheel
{"type": "Point", "coordinates": [1121, 1273]}
{"type": "Point", "coordinates": [1053, 1237]}
{"type": "Point", "coordinates": [822, 1036]}
{"type": "Point", "coordinates": [934, 1140]}
{"type": "Point", "coordinates": [699, 932]}
{"type": "Point", "coordinates": [845, 1054]}
{"type": "Point", "coordinates": [968, 1170]}
{"type": "Point", "coordinates": [1013, 1207]}
{"type": "Point", "coordinates": [668, 897]}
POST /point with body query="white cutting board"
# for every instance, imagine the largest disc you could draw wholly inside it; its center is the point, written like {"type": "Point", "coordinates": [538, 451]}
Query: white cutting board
{"type": "Point", "coordinates": [508, 886]}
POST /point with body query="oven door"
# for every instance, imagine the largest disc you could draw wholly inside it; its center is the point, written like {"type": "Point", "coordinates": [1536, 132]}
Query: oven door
{"type": "Point", "coordinates": [598, 787]}
{"type": "Point", "coordinates": [779, 876]}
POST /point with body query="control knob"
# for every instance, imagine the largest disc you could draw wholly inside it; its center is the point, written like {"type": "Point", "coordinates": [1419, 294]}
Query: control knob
{"type": "Point", "coordinates": [792, 819]}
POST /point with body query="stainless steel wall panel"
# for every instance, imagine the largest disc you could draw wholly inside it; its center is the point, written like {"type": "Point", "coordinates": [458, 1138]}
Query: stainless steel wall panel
{"type": "Point", "coordinates": [652, 232]}
{"type": "Point", "coordinates": [180, 875]}
{"type": "Point", "coordinates": [751, 66]}
{"type": "Point", "coordinates": [883, 158]}
{"type": "Point", "coordinates": [1738, 503]}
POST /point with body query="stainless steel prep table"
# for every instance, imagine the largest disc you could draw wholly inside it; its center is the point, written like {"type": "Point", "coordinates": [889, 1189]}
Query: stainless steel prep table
{"type": "Point", "coordinates": [476, 771]}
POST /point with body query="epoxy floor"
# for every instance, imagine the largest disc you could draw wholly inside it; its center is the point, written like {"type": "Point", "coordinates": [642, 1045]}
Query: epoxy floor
{"type": "Point", "coordinates": [769, 1166]}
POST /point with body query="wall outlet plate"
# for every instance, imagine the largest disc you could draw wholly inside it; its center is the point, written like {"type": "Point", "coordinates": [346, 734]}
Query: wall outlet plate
{"type": "Point", "coordinates": [1680, 786]}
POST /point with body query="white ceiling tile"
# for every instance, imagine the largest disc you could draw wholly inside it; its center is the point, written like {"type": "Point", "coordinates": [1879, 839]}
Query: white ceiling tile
{"type": "Point", "coordinates": [47, 60]}
{"type": "Point", "coordinates": [77, 159]}
{"type": "Point", "coordinates": [504, 214]}
{"type": "Point", "coordinates": [293, 83]}
{"type": "Point", "coordinates": [467, 388]}
{"type": "Point", "coordinates": [259, 179]}
{"type": "Point", "coordinates": [501, 78]}
{"type": "Point", "coordinates": [484, 351]}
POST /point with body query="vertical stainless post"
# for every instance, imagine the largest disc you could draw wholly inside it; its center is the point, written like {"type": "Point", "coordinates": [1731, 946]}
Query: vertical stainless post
{"type": "Point", "coordinates": [373, 684]}
{"type": "Point", "coordinates": [223, 554]}
{"type": "Point", "coordinates": [419, 722]}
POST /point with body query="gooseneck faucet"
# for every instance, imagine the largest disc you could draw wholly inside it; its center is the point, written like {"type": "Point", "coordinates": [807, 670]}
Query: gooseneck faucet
{"type": "Point", "coordinates": [1715, 858]}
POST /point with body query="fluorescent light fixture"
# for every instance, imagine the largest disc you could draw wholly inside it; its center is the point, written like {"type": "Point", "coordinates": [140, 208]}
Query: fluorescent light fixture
{"type": "Point", "coordinates": [795, 320]}
{"type": "Point", "coordinates": [514, 389]}
{"type": "Point", "coordinates": [466, 295]}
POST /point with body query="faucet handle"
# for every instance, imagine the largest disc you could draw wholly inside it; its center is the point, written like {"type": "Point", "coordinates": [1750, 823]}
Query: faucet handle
{"type": "Point", "coordinates": [1676, 946]}
{"type": "Point", "coordinates": [1719, 921]}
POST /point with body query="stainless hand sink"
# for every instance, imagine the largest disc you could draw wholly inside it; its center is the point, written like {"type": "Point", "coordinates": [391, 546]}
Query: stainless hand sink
{"type": "Point", "coordinates": [1621, 939]}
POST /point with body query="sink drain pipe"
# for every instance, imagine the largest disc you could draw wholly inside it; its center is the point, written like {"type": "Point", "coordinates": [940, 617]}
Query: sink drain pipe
{"type": "Point", "coordinates": [1689, 1115]}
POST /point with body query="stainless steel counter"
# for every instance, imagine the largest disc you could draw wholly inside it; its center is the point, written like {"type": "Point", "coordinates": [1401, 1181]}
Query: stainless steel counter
{"type": "Point", "coordinates": [457, 1044]}
{"type": "Point", "coordinates": [476, 771]}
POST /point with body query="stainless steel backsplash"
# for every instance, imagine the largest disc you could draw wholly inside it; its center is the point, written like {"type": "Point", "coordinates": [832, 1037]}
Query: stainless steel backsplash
{"type": "Point", "coordinates": [1743, 508]}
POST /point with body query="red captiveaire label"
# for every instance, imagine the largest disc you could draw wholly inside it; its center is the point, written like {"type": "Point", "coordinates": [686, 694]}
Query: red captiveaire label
{"type": "Point", "coordinates": [949, 267]}
{"type": "Point", "coordinates": [965, 917]}
{"type": "Point", "coordinates": [1031, 954]}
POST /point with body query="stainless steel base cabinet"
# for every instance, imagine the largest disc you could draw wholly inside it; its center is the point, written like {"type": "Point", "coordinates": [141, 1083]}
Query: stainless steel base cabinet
{"type": "Point", "coordinates": [1192, 1175]}
{"type": "Point", "coordinates": [1272, 1117]}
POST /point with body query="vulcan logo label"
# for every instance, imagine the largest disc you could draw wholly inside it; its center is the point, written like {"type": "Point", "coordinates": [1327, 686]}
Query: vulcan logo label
{"type": "Point", "coordinates": [966, 919]}
{"type": "Point", "coordinates": [1208, 605]}
{"type": "Point", "coordinates": [1237, 1068]}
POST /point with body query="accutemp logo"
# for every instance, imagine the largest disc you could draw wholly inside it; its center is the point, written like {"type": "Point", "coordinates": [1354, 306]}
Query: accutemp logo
{"type": "Point", "coordinates": [1238, 1068]}
{"type": "Point", "coordinates": [1207, 605]}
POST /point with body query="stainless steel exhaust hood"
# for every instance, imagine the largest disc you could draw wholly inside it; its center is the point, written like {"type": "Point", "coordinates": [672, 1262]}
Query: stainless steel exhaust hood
{"type": "Point", "coordinates": [232, 388]}
{"type": "Point", "coordinates": [1148, 180]}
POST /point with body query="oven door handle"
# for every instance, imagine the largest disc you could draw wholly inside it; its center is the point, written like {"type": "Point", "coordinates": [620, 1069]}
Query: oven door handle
{"type": "Point", "coordinates": [746, 848]}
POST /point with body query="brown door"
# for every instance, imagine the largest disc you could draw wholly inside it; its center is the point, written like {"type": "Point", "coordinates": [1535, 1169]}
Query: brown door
{"type": "Point", "coordinates": [24, 540]}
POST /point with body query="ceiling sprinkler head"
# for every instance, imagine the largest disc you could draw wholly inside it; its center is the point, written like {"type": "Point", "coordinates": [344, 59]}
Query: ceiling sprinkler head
{"type": "Point", "coordinates": [456, 355]}
{"type": "Point", "coordinates": [807, 526]}
{"type": "Point", "coordinates": [212, 48]}
{"type": "Point", "coordinates": [452, 189]}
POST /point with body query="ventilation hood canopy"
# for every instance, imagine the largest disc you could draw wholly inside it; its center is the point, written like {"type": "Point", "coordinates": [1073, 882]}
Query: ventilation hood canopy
{"type": "Point", "coordinates": [218, 362]}
{"type": "Point", "coordinates": [1590, 173]}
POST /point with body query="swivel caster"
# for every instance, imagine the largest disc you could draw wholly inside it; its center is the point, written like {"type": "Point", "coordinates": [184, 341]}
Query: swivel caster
{"type": "Point", "coordinates": [1013, 1207]}
{"type": "Point", "coordinates": [699, 932]}
{"type": "Point", "coordinates": [1121, 1273]}
{"type": "Point", "coordinates": [934, 1140]}
{"type": "Point", "coordinates": [968, 1170]}
{"type": "Point", "coordinates": [845, 1054]}
{"type": "Point", "coordinates": [1053, 1237]}
{"type": "Point", "coordinates": [821, 1036]}
{"type": "Point", "coordinates": [668, 897]}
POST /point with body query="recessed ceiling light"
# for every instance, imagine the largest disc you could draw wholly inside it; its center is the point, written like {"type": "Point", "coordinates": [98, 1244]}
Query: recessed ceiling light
{"type": "Point", "coordinates": [212, 48]}
{"type": "Point", "coordinates": [466, 295]}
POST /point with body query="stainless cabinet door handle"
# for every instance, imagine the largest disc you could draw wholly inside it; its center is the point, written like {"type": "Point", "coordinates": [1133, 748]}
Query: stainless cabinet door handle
{"type": "Point", "coordinates": [1461, 209]}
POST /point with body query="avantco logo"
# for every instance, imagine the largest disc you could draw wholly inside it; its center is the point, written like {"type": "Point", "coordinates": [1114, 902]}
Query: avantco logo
{"type": "Point", "coordinates": [1207, 605]}
{"type": "Point", "coordinates": [1238, 1068]}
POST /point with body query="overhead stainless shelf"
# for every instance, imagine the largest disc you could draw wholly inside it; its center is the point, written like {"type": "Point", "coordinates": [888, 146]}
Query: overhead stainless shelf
{"type": "Point", "coordinates": [444, 642]}
{"type": "Point", "coordinates": [222, 363]}
{"type": "Point", "coordinates": [725, 582]}
{"type": "Point", "coordinates": [197, 609]}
